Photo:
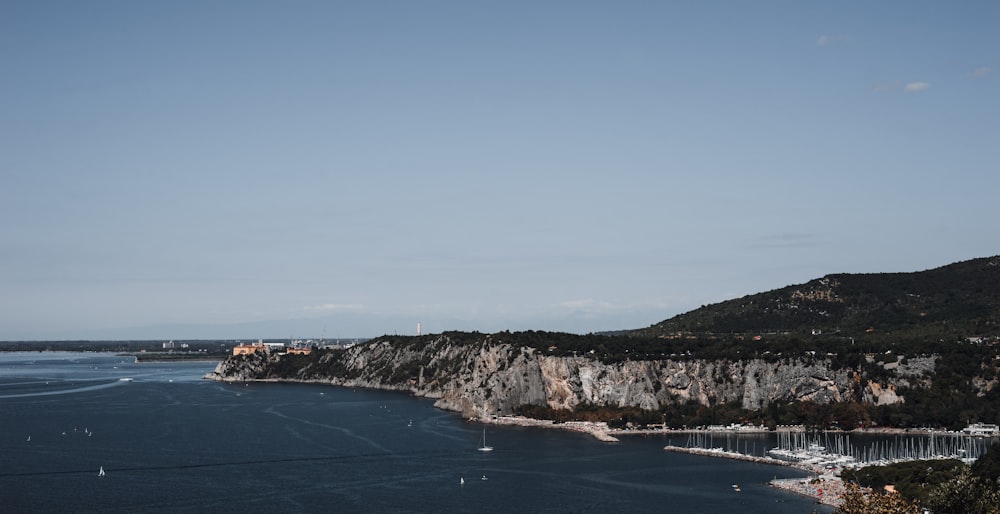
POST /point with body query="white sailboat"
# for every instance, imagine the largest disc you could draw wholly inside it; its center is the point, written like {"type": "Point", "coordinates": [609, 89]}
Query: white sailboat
{"type": "Point", "coordinates": [101, 472]}
{"type": "Point", "coordinates": [482, 445]}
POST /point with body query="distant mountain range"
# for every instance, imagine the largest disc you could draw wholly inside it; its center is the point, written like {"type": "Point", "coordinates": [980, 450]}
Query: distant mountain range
{"type": "Point", "coordinates": [960, 298]}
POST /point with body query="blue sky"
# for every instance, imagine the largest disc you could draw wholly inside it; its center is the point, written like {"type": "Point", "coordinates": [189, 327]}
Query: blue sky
{"type": "Point", "coordinates": [239, 169]}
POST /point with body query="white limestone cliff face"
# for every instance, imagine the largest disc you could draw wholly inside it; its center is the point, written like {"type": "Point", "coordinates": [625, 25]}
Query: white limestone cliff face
{"type": "Point", "coordinates": [489, 378]}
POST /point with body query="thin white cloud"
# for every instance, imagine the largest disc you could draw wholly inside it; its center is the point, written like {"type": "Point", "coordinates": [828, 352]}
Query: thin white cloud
{"type": "Point", "coordinates": [916, 87]}
{"type": "Point", "coordinates": [825, 40]}
{"type": "Point", "coordinates": [785, 240]}
{"type": "Point", "coordinates": [332, 307]}
{"type": "Point", "coordinates": [981, 71]}
{"type": "Point", "coordinates": [586, 303]}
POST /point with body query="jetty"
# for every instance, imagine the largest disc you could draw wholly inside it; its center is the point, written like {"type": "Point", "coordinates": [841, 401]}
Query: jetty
{"type": "Point", "coordinates": [719, 452]}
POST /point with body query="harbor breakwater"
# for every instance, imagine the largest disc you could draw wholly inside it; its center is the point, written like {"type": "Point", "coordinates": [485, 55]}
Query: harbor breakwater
{"type": "Point", "coordinates": [719, 452]}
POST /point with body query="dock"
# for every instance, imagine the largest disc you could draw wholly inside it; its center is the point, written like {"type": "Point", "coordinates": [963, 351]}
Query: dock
{"type": "Point", "coordinates": [719, 452]}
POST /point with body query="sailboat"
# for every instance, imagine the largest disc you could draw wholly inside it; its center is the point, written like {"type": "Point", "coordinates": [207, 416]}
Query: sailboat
{"type": "Point", "coordinates": [101, 472]}
{"type": "Point", "coordinates": [482, 445]}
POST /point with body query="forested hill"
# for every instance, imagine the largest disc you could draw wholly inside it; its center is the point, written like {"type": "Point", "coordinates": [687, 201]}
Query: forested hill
{"type": "Point", "coordinates": [957, 300]}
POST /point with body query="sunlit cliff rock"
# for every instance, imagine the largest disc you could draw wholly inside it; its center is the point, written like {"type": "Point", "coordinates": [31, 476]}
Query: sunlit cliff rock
{"type": "Point", "coordinates": [488, 377]}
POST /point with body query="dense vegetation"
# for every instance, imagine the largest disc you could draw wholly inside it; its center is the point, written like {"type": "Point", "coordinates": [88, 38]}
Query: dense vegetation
{"type": "Point", "coordinates": [843, 415]}
{"type": "Point", "coordinates": [952, 302]}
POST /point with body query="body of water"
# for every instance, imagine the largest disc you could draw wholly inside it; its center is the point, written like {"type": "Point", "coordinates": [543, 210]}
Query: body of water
{"type": "Point", "coordinates": [169, 441]}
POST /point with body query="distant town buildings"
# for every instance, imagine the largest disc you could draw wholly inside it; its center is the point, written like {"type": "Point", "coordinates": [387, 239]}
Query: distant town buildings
{"type": "Point", "coordinates": [297, 348]}
{"type": "Point", "coordinates": [247, 349]}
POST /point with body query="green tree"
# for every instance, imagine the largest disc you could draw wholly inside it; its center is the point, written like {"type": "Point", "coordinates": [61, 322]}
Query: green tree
{"type": "Point", "coordinates": [988, 466]}
{"type": "Point", "coordinates": [965, 494]}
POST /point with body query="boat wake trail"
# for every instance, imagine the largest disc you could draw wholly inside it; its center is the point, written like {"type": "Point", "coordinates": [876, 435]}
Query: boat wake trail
{"type": "Point", "coordinates": [256, 462]}
{"type": "Point", "coordinates": [342, 430]}
{"type": "Point", "coordinates": [84, 389]}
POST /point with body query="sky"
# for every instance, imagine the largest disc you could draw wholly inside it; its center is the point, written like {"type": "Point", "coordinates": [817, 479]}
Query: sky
{"type": "Point", "coordinates": [245, 169]}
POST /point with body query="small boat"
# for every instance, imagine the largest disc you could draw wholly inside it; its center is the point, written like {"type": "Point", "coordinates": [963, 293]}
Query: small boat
{"type": "Point", "coordinates": [101, 472]}
{"type": "Point", "coordinates": [461, 481]}
{"type": "Point", "coordinates": [484, 477]}
{"type": "Point", "coordinates": [29, 438]}
{"type": "Point", "coordinates": [410, 424]}
{"type": "Point", "coordinates": [482, 445]}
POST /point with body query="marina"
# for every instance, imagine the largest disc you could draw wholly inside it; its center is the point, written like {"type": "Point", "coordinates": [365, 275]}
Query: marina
{"type": "Point", "coordinates": [830, 450]}
{"type": "Point", "coordinates": [826, 454]}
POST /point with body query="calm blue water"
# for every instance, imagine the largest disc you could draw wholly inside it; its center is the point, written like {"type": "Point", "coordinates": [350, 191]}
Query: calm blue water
{"type": "Point", "coordinates": [170, 442]}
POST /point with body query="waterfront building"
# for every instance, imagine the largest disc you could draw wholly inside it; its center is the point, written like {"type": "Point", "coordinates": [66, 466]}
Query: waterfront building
{"type": "Point", "coordinates": [982, 429]}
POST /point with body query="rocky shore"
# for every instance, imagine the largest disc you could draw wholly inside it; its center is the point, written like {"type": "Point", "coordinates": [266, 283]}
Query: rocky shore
{"type": "Point", "coordinates": [597, 430]}
{"type": "Point", "coordinates": [825, 489]}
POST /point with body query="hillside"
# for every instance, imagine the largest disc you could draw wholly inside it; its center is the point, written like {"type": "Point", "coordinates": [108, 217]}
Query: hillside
{"type": "Point", "coordinates": [956, 301]}
{"type": "Point", "coordinates": [847, 350]}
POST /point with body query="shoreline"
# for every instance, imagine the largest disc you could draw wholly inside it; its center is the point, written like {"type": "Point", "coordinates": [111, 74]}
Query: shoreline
{"type": "Point", "coordinates": [597, 430]}
{"type": "Point", "coordinates": [146, 358]}
{"type": "Point", "coordinates": [823, 487]}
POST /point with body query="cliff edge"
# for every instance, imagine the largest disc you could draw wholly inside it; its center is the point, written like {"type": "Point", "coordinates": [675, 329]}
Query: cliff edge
{"type": "Point", "coordinates": [483, 375]}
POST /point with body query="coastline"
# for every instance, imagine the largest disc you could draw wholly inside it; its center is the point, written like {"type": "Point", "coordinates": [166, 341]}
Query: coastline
{"type": "Point", "coordinates": [824, 487]}
{"type": "Point", "coordinates": [596, 430]}
{"type": "Point", "coordinates": [140, 358]}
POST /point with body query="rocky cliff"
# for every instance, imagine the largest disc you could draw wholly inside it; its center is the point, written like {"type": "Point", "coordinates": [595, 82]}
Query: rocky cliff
{"type": "Point", "coordinates": [488, 376]}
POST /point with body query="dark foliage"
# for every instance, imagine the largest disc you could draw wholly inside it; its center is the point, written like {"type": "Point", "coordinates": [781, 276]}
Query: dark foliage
{"type": "Point", "coordinates": [914, 480]}
{"type": "Point", "coordinates": [988, 466]}
{"type": "Point", "coordinates": [955, 301]}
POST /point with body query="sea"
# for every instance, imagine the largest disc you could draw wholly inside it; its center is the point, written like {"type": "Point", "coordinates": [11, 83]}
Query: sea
{"type": "Point", "coordinates": [169, 441]}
